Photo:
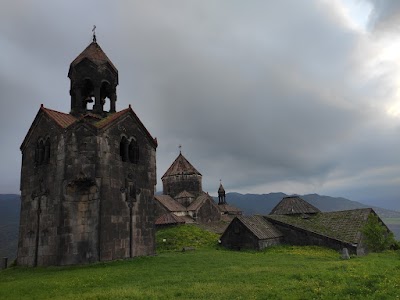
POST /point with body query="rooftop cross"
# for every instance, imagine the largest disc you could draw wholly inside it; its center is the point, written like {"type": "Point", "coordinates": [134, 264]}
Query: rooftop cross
{"type": "Point", "coordinates": [94, 33]}
{"type": "Point", "coordinates": [180, 149]}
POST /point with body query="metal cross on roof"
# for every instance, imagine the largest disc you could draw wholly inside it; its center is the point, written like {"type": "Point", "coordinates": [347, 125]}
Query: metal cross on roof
{"type": "Point", "coordinates": [94, 33]}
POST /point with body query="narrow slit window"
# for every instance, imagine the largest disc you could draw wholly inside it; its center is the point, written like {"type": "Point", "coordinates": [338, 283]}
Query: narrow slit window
{"type": "Point", "coordinates": [123, 149]}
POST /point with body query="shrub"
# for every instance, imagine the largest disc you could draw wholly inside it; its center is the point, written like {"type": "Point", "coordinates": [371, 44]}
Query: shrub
{"type": "Point", "coordinates": [377, 237]}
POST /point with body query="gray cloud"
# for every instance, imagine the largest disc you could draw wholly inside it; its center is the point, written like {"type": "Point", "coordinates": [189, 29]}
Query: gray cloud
{"type": "Point", "coordinates": [261, 94]}
{"type": "Point", "coordinates": [385, 14]}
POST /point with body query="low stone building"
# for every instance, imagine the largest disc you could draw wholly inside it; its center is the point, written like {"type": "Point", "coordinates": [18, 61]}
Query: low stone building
{"type": "Point", "coordinates": [300, 223]}
{"type": "Point", "coordinates": [250, 232]}
{"type": "Point", "coordinates": [169, 219]}
{"type": "Point", "coordinates": [88, 177]}
{"type": "Point", "coordinates": [336, 230]}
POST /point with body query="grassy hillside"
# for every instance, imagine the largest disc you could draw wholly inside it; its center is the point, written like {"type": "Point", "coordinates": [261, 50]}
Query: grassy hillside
{"type": "Point", "coordinates": [213, 273]}
{"type": "Point", "coordinates": [184, 236]}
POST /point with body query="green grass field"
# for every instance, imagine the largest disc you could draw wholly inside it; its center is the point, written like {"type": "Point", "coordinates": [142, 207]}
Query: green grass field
{"type": "Point", "coordinates": [212, 273]}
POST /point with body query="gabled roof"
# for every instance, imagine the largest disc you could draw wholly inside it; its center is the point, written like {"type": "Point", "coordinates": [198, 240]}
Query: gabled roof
{"type": "Point", "coordinates": [293, 205]}
{"type": "Point", "coordinates": [169, 219]}
{"type": "Point", "coordinates": [260, 227]}
{"type": "Point", "coordinates": [95, 54]}
{"type": "Point", "coordinates": [344, 225]}
{"type": "Point", "coordinates": [181, 166]}
{"type": "Point", "coordinates": [169, 203]}
{"type": "Point", "coordinates": [228, 208]}
{"type": "Point", "coordinates": [184, 194]}
{"type": "Point", "coordinates": [110, 119]}
{"type": "Point", "coordinates": [196, 204]}
{"type": "Point", "coordinates": [62, 119]}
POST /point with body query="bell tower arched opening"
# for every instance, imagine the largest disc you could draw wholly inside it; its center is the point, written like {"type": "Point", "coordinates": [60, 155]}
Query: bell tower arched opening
{"type": "Point", "coordinates": [94, 80]}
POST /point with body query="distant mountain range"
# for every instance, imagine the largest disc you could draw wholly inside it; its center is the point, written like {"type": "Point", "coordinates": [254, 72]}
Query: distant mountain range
{"type": "Point", "coordinates": [9, 222]}
{"type": "Point", "coordinates": [249, 203]}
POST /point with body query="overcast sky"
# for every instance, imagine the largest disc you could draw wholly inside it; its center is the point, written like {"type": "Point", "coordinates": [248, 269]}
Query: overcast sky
{"type": "Point", "coordinates": [269, 96]}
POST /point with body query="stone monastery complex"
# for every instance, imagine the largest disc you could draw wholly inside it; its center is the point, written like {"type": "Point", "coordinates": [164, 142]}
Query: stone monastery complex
{"type": "Point", "coordinates": [88, 179]}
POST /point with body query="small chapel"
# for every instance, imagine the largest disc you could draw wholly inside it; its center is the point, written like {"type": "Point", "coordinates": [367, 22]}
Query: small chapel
{"type": "Point", "coordinates": [88, 176]}
{"type": "Point", "coordinates": [184, 201]}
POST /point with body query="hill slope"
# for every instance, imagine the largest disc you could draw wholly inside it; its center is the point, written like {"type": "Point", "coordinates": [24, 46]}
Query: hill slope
{"type": "Point", "coordinates": [9, 222]}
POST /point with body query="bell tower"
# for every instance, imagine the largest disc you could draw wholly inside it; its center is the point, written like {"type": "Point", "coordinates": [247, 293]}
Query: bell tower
{"type": "Point", "coordinates": [87, 177]}
{"type": "Point", "coordinates": [221, 194]}
{"type": "Point", "coordinates": [94, 79]}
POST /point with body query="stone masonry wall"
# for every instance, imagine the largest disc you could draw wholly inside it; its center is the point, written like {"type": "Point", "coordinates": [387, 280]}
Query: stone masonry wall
{"type": "Point", "coordinates": [127, 207]}
{"type": "Point", "coordinates": [173, 185]}
{"type": "Point", "coordinates": [86, 204]}
{"type": "Point", "coordinates": [40, 201]}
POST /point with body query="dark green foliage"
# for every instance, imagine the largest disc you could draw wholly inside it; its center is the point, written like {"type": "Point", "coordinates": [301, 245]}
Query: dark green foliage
{"type": "Point", "coordinates": [377, 238]}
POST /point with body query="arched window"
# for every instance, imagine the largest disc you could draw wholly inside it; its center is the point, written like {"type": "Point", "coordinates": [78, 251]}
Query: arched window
{"type": "Point", "coordinates": [37, 153]}
{"type": "Point", "coordinates": [104, 92]}
{"type": "Point", "coordinates": [47, 151]}
{"type": "Point", "coordinates": [87, 94]}
{"type": "Point", "coordinates": [40, 152]}
{"type": "Point", "coordinates": [133, 152]}
{"type": "Point", "coordinates": [123, 149]}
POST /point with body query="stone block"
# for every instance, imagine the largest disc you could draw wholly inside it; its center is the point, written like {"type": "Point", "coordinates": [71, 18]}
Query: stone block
{"type": "Point", "coordinates": [345, 254]}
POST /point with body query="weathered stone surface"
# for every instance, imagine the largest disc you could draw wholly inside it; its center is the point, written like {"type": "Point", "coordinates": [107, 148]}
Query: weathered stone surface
{"type": "Point", "coordinates": [81, 201]}
{"type": "Point", "coordinates": [345, 254]}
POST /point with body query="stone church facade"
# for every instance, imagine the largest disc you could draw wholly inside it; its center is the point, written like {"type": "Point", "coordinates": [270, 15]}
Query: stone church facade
{"type": "Point", "coordinates": [87, 177]}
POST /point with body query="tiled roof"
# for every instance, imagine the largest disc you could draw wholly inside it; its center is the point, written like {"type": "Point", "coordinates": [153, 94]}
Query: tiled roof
{"type": "Point", "coordinates": [62, 119]}
{"type": "Point", "coordinates": [196, 204]}
{"type": "Point", "coordinates": [111, 118]}
{"type": "Point", "coordinates": [94, 53]}
{"type": "Point", "coordinates": [169, 219]}
{"type": "Point", "coordinates": [92, 115]}
{"type": "Point", "coordinates": [169, 203]}
{"type": "Point", "coordinates": [228, 208]}
{"type": "Point", "coordinates": [293, 205]}
{"type": "Point", "coordinates": [184, 194]}
{"type": "Point", "coordinates": [181, 166]}
{"type": "Point", "coordinates": [344, 225]}
{"type": "Point", "coordinates": [260, 227]}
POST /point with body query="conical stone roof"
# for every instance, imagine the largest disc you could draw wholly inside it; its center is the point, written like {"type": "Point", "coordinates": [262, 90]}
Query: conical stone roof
{"type": "Point", "coordinates": [181, 166]}
{"type": "Point", "coordinates": [95, 54]}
